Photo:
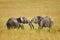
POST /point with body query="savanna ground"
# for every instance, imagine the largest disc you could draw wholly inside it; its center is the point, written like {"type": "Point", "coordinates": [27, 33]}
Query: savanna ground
{"type": "Point", "coordinates": [29, 8]}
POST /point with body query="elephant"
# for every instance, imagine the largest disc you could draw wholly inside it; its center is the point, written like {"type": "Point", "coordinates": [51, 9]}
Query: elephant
{"type": "Point", "coordinates": [17, 22]}
{"type": "Point", "coordinates": [42, 21]}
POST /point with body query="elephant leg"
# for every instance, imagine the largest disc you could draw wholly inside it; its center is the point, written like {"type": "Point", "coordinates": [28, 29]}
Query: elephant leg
{"type": "Point", "coordinates": [18, 26]}
{"type": "Point", "coordinates": [21, 25]}
{"type": "Point", "coordinates": [50, 27]}
{"type": "Point", "coordinates": [40, 25]}
{"type": "Point", "coordinates": [31, 25]}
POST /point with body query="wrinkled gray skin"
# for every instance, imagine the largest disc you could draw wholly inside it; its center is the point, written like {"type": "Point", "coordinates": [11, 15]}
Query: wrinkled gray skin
{"type": "Point", "coordinates": [46, 22]}
{"type": "Point", "coordinates": [42, 22]}
{"type": "Point", "coordinates": [17, 22]}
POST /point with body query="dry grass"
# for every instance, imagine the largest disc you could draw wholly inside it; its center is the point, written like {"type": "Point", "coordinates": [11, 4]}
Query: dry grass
{"type": "Point", "coordinates": [29, 8]}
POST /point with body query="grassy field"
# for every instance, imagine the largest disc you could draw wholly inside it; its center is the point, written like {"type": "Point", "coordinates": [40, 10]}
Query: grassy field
{"type": "Point", "coordinates": [29, 8]}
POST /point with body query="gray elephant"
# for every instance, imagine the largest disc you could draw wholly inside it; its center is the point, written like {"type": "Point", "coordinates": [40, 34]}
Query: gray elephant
{"type": "Point", "coordinates": [17, 22]}
{"type": "Point", "coordinates": [42, 21]}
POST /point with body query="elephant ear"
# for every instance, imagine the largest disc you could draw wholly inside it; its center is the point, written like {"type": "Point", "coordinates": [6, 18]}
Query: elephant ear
{"type": "Point", "coordinates": [22, 19]}
{"type": "Point", "coordinates": [19, 19]}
